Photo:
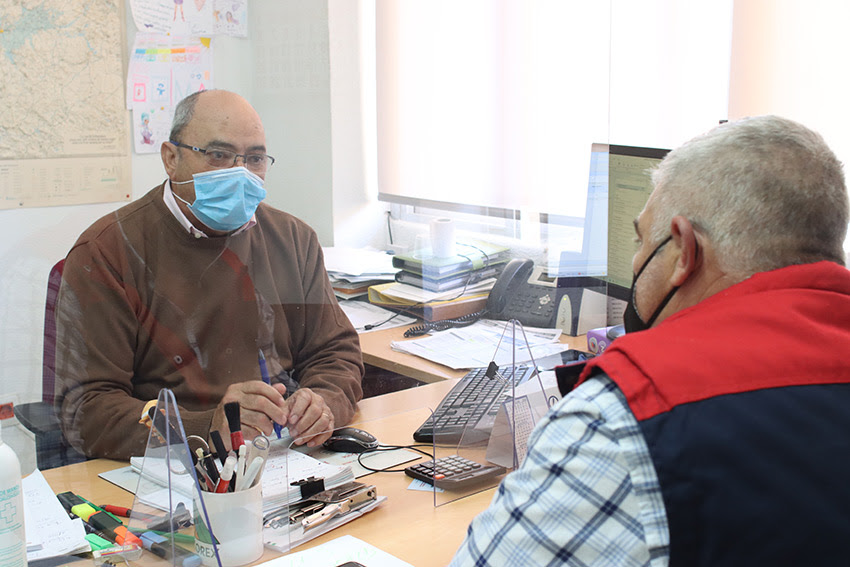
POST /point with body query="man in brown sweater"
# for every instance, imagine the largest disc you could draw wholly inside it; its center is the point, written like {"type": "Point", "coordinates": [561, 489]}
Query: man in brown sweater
{"type": "Point", "coordinates": [185, 287]}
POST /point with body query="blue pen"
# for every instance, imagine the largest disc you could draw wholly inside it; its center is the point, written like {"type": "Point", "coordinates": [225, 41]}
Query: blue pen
{"type": "Point", "coordinates": [264, 372]}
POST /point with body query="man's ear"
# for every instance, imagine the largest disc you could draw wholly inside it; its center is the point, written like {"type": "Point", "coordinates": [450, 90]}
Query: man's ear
{"type": "Point", "coordinates": [685, 239]}
{"type": "Point", "coordinates": [168, 152]}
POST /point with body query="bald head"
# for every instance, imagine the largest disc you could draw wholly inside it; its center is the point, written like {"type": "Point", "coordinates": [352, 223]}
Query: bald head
{"type": "Point", "coordinates": [216, 108]}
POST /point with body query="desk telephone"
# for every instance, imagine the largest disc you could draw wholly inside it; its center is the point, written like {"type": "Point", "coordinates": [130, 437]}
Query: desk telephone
{"type": "Point", "coordinates": [521, 292]}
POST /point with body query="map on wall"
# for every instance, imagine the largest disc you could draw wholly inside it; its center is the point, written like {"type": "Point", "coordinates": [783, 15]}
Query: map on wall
{"type": "Point", "coordinates": [64, 131]}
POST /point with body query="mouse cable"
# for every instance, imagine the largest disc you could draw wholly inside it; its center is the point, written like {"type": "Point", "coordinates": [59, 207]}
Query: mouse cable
{"type": "Point", "coordinates": [381, 448]}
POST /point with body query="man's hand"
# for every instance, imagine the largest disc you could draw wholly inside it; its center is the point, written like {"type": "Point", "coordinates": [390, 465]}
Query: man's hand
{"type": "Point", "coordinates": [308, 417]}
{"type": "Point", "coordinates": [260, 406]}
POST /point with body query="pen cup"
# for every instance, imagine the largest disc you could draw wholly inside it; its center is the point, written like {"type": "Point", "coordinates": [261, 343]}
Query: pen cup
{"type": "Point", "coordinates": [237, 525]}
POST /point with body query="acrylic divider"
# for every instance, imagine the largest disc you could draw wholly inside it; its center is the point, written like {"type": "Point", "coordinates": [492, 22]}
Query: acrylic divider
{"type": "Point", "coordinates": [168, 492]}
{"type": "Point", "coordinates": [500, 437]}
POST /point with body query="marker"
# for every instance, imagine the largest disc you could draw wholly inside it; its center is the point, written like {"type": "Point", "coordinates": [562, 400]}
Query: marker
{"type": "Point", "coordinates": [107, 526]}
{"type": "Point", "coordinates": [226, 474]}
{"type": "Point", "coordinates": [162, 547]}
{"type": "Point", "coordinates": [264, 372]}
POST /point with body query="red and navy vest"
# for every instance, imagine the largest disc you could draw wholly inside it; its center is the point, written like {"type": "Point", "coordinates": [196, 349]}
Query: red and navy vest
{"type": "Point", "coordinates": [744, 402]}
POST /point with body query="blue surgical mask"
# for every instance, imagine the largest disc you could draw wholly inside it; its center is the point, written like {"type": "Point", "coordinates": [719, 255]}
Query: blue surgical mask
{"type": "Point", "coordinates": [225, 199]}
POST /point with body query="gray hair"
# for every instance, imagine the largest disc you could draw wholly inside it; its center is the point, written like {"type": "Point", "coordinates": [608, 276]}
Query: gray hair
{"type": "Point", "coordinates": [183, 113]}
{"type": "Point", "coordinates": [766, 191]}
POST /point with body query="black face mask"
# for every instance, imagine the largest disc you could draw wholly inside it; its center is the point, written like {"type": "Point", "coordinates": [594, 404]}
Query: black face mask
{"type": "Point", "coordinates": [631, 320]}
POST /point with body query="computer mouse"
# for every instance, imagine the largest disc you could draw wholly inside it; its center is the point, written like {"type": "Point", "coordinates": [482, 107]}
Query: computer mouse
{"type": "Point", "coordinates": [350, 440]}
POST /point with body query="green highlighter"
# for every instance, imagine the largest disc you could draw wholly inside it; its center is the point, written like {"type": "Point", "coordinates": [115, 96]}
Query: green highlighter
{"type": "Point", "coordinates": [97, 543]}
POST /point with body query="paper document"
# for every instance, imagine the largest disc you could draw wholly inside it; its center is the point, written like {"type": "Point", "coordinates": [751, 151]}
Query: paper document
{"type": "Point", "coordinates": [50, 532]}
{"type": "Point", "coordinates": [476, 345]}
{"type": "Point", "coordinates": [415, 294]}
{"type": "Point", "coordinates": [283, 467]}
{"type": "Point", "coordinates": [358, 262]}
{"type": "Point", "coordinates": [337, 552]}
{"type": "Point", "coordinates": [361, 314]}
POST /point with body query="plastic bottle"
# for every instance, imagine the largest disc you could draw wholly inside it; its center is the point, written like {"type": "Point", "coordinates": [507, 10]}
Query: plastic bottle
{"type": "Point", "coordinates": [13, 541]}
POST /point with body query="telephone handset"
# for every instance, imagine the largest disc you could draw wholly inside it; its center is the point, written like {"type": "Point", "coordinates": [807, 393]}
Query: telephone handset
{"type": "Point", "coordinates": [525, 294]}
{"type": "Point", "coordinates": [521, 292]}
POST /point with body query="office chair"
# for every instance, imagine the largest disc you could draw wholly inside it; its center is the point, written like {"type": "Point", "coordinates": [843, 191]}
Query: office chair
{"type": "Point", "coordinates": [52, 450]}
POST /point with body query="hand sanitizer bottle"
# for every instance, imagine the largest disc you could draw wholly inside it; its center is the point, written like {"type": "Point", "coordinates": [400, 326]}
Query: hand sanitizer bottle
{"type": "Point", "coordinates": [13, 542]}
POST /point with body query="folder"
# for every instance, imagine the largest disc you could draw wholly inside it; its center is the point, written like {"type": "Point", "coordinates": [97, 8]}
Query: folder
{"type": "Point", "coordinates": [433, 310]}
{"type": "Point", "coordinates": [472, 255]}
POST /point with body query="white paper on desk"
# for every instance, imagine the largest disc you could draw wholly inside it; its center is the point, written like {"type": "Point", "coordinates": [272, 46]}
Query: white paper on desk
{"type": "Point", "coordinates": [338, 551]}
{"type": "Point", "coordinates": [358, 261]}
{"type": "Point", "coordinates": [475, 346]}
{"type": "Point", "coordinates": [47, 523]}
{"type": "Point", "coordinates": [282, 467]}
{"type": "Point", "coordinates": [361, 313]}
{"type": "Point", "coordinates": [418, 295]}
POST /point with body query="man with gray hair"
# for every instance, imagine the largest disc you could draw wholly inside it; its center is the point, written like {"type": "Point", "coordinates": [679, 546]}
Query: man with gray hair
{"type": "Point", "coordinates": [714, 431]}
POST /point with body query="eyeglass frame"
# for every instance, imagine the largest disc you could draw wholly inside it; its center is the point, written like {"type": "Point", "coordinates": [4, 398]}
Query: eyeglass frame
{"type": "Point", "coordinates": [236, 156]}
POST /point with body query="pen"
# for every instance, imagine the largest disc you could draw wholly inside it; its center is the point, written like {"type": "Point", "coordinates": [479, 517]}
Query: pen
{"type": "Point", "coordinates": [264, 372]}
{"type": "Point", "coordinates": [208, 464]}
{"type": "Point", "coordinates": [128, 513]}
{"type": "Point", "coordinates": [251, 472]}
{"type": "Point", "coordinates": [240, 467]}
{"type": "Point", "coordinates": [203, 474]}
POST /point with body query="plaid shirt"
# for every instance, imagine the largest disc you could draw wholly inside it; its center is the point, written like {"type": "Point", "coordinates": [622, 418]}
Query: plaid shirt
{"type": "Point", "coordinates": [586, 494]}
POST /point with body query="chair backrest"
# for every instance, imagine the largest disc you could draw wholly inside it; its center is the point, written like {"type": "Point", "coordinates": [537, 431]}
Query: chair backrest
{"type": "Point", "coordinates": [48, 362]}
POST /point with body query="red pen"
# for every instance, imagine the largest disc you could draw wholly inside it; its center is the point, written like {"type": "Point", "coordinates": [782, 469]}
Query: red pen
{"type": "Point", "coordinates": [128, 513]}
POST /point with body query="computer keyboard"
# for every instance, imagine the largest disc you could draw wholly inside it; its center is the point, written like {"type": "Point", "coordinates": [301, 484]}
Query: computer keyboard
{"type": "Point", "coordinates": [470, 407]}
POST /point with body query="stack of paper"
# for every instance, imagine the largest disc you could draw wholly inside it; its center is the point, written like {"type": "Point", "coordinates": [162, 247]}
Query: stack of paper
{"type": "Point", "coordinates": [353, 270]}
{"type": "Point", "coordinates": [431, 306]}
{"type": "Point", "coordinates": [487, 340]}
{"type": "Point", "coordinates": [50, 532]}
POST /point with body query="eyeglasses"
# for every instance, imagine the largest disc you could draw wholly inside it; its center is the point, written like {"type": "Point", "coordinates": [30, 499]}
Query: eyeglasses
{"type": "Point", "coordinates": [216, 157]}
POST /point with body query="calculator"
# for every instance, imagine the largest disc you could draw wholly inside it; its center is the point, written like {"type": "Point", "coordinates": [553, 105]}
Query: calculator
{"type": "Point", "coordinates": [453, 472]}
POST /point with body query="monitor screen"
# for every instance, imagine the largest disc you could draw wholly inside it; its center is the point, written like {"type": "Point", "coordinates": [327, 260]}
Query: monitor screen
{"type": "Point", "coordinates": [592, 258]}
{"type": "Point", "coordinates": [629, 186]}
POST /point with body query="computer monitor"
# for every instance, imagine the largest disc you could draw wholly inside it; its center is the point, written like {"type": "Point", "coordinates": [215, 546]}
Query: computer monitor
{"type": "Point", "coordinates": [629, 186]}
{"type": "Point", "coordinates": [592, 259]}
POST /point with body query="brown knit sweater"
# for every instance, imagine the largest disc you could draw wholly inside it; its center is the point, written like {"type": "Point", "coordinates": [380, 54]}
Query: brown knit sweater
{"type": "Point", "coordinates": [144, 305]}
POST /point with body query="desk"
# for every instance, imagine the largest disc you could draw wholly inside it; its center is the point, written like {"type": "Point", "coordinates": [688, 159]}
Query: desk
{"type": "Point", "coordinates": [377, 352]}
{"type": "Point", "coordinates": [407, 525]}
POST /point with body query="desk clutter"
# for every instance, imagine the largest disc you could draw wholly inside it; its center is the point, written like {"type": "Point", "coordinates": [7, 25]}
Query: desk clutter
{"type": "Point", "coordinates": [436, 287]}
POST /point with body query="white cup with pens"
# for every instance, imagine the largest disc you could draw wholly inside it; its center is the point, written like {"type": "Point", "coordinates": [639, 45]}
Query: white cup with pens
{"type": "Point", "coordinates": [234, 510]}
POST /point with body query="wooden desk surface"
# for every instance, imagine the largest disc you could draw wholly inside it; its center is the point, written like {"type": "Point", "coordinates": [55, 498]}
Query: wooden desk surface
{"type": "Point", "coordinates": [407, 525]}
{"type": "Point", "coordinates": [376, 349]}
